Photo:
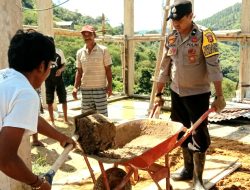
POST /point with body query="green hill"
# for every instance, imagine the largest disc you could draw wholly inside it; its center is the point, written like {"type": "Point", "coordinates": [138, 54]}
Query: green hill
{"type": "Point", "coordinates": [62, 14]}
{"type": "Point", "coordinates": [226, 19]}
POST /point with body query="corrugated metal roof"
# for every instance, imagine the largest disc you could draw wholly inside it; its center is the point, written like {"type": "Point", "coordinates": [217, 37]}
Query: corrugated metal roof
{"type": "Point", "coordinates": [232, 111]}
{"type": "Point", "coordinates": [64, 23]}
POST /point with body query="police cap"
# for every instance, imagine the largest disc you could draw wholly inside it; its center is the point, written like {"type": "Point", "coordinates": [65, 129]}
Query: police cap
{"type": "Point", "coordinates": [179, 9]}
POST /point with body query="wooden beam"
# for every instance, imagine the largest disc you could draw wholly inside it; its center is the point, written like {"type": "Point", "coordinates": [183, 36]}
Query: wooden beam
{"type": "Point", "coordinates": [11, 21]}
{"type": "Point", "coordinates": [225, 35]}
{"type": "Point", "coordinates": [244, 77]}
{"type": "Point", "coordinates": [45, 17]}
{"type": "Point", "coordinates": [129, 46]}
{"type": "Point", "coordinates": [45, 26]}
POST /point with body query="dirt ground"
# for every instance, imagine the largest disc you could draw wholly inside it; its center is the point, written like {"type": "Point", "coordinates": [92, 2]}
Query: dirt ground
{"type": "Point", "coordinates": [238, 180]}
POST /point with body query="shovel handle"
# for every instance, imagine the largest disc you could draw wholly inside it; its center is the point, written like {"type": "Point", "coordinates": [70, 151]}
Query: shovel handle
{"type": "Point", "coordinates": [156, 109]}
{"type": "Point", "coordinates": [59, 161]}
{"type": "Point", "coordinates": [153, 111]}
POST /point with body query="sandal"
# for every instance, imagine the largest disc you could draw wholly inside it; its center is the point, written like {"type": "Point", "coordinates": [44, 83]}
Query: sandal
{"type": "Point", "coordinates": [38, 143]}
{"type": "Point", "coordinates": [68, 122]}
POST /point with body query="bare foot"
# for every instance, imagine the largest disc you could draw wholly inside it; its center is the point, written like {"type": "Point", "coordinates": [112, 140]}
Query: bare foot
{"type": "Point", "coordinates": [53, 124]}
{"type": "Point", "coordinates": [59, 119]}
{"type": "Point", "coordinates": [68, 122]}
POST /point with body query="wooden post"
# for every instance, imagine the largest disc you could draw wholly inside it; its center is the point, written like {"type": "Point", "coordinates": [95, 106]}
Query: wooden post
{"type": "Point", "coordinates": [103, 25]}
{"type": "Point", "coordinates": [11, 21]}
{"type": "Point", "coordinates": [122, 47]}
{"type": "Point", "coordinates": [244, 77]}
{"type": "Point", "coordinates": [45, 17]}
{"type": "Point", "coordinates": [45, 26]}
{"type": "Point", "coordinates": [129, 46]}
{"type": "Point", "coordinates": [160, 52]}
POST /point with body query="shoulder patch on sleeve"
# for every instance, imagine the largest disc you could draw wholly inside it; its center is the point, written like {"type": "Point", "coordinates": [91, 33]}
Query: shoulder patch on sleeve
{"type": "Point", "coordinates": [171, 38]}
{"type": "Point", "coordinates": [209, 45]}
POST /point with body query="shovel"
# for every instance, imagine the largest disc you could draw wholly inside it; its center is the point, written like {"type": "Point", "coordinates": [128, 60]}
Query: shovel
{"type": "Point", "coordinates": [59, 161]}
{"type": "Point", "coordinates": [63, 156]}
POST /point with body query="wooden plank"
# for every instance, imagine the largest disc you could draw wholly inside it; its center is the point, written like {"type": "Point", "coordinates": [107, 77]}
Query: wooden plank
{"type": "Point", "coordinates": [220, 176]}
{"type": "Point", "coordinates": [216, 168]}
{"type": "Point", "coordinates": [225, 35]}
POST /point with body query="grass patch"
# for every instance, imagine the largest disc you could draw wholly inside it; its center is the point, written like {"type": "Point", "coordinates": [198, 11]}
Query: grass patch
{"type": "Point", "coordinates": [39, 164]}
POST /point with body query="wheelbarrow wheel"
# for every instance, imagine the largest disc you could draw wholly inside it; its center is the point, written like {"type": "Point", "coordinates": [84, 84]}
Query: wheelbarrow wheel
{"type": "Point", "coordinates": [115, 177]}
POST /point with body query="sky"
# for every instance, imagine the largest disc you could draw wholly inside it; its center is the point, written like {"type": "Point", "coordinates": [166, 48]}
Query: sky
{"type": "Point", "coordinates": [148, 14]}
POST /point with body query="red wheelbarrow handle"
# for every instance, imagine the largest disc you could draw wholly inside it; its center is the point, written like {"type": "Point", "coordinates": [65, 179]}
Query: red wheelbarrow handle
{"type": "Point", "coordinates": [189, 131]}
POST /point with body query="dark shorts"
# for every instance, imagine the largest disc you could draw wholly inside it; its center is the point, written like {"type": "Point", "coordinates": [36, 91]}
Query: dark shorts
{"type": "Point", "coordinates": [55, 85]}
{"type": "Point", "coordinates": [187, 110]}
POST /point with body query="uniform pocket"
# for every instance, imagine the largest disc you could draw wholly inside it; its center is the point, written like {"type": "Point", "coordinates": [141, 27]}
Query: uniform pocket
{"type": "Point", "coordinates": [192, 56]}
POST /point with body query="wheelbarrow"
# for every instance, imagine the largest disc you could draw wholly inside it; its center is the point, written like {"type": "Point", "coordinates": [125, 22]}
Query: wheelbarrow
{"type": "Point", "coordinates": [155, 138]}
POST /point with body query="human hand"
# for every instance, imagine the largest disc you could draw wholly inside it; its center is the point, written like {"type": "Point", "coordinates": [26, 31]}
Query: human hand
{"type": "Point", "coordinates": [41, 184]}
{"type": "Point", "coordinates": [109, 90]}
{"type": "Point", "coordinates": [74, 94]}
{"type": "Point", "coordinates": [159, 100]}
{"type": "Point", "coordinates": [218, 104]}
{"type": "Point", "coordinates": [67, 140]}
{"type": "Point", "coordinates": [45, 186]}
{"type": "Point", "coordinates": [58, 72]}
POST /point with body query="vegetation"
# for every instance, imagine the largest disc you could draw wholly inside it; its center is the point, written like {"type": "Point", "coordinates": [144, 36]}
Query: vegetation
{"type": "Point", "coordinates": [145, 52]}
{"type": "Point", "coordinates": [40, 165]}
{"type": "Point", "coordinates": [226, 19]}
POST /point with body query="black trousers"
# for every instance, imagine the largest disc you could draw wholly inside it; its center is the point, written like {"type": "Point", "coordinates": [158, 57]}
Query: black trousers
{"type": "Point", "coordinates": [187, 110]}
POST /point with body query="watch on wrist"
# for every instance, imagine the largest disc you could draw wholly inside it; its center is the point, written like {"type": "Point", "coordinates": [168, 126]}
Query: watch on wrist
{"type": "Point", "coordinates": [37, 187]}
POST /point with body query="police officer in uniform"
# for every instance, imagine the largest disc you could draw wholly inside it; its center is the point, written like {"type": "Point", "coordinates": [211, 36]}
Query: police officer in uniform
{"type": "Point", "coordinates": [190, 63]}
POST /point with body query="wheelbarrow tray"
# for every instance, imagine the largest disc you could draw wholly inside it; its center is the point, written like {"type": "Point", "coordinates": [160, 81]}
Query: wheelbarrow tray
{"type": "Point", "coordinates": [141, 142]}
{"type": "Point", "coordinates": [159, 138]}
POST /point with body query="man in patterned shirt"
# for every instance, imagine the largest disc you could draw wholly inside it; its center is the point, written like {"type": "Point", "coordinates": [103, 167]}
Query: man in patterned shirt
{"type": "Point", "coordinates": [93, 75]}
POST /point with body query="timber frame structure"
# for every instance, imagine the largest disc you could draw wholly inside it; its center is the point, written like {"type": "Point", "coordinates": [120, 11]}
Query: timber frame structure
{"type": "Point", "coordinates": [129, 39]}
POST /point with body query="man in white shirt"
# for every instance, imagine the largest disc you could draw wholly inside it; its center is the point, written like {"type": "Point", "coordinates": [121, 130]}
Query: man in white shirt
{"type": "Point", "coordinates": [30, 55]}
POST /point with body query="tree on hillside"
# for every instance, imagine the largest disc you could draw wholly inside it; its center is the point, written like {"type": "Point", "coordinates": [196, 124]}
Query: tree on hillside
{"type": "Point", "coordinates": [144, 84]}
{"type": "Point", "coordinates": [226, 19]}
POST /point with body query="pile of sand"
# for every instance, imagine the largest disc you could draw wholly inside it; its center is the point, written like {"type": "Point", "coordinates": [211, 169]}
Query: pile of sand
{"type": "Point", "coordinates": [135, 137]}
